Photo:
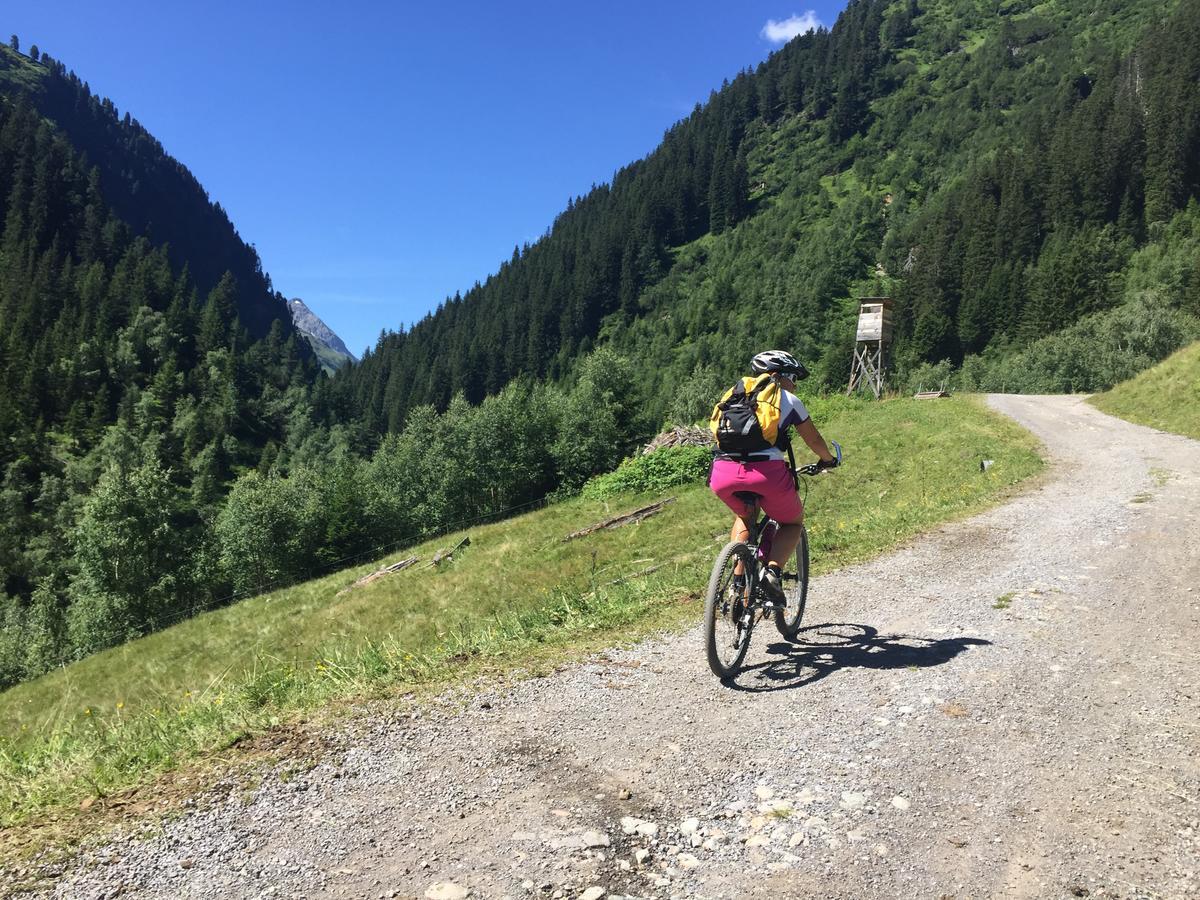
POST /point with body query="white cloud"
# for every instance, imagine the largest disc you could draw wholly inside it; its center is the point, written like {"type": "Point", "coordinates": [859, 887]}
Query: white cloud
{"type": "Point", "coordinates": [785, 30]}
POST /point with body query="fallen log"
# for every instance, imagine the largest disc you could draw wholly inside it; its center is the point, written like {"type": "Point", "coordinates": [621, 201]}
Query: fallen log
{"type": "Point", "coordinates": [380, 573]}
{"type": "Point", "coordinates": [629, 518]}
{"type": "Point", "coordinates": [442, 555]}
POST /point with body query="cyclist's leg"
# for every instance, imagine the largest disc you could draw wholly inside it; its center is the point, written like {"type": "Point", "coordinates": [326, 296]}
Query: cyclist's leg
{"type": "Point", "coordinates": [726, 479]}
{"type": "Point", "coordinates": [782, 503]}
{"type": "Point", "coordinates": [740, 530]}
{"type": "Point", "coordinates": [787, 539]}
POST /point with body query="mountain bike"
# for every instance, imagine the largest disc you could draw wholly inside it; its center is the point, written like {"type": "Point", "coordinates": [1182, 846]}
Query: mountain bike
{"type": "Point", "coordinates": [735, 601]}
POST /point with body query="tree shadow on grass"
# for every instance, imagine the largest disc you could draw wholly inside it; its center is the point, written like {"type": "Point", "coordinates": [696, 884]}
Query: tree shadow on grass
{"type": "Point", "coordinates": [821, 650]}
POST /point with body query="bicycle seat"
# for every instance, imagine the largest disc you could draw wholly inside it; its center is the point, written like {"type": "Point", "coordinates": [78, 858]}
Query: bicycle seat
{"type": "Point", "coordinates": [750, 498]}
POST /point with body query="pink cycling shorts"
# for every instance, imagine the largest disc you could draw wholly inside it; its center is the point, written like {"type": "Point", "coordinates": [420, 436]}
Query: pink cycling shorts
{"type": "Point", "coordinates": [770, 479]}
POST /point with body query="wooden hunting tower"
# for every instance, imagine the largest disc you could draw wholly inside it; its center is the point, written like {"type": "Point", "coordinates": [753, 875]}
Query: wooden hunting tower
{"type": "Point", "coordinates": [870, 344]}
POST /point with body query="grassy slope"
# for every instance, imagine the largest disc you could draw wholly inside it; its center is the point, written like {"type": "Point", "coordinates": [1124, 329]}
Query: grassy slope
{"type": "Point", "coordinates": [1166, 397]}
{"type": "Point", "coordinates": [518, 595]}
{"type": "Point", "coordinates": [330, 359]}
{"type": "Point", "coordinates": [18, 70]}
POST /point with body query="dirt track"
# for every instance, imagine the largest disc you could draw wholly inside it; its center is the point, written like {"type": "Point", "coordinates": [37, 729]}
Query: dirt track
{"type": "Point", "coordinates": [1009, 706]}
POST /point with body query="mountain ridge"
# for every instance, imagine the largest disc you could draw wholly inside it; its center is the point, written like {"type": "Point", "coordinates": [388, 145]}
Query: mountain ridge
{"type": "Point", "coordinates": [150, 190]}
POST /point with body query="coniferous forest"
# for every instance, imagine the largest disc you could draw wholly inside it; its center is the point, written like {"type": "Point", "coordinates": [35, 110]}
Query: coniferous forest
{"type": "Point", "coordinates": [1023, 179]}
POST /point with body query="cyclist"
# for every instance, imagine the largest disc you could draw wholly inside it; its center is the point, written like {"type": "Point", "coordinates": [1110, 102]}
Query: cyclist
{"type": "Point", "coordinates": [767, 474]}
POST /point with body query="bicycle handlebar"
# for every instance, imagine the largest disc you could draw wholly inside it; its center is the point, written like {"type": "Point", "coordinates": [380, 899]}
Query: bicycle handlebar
{"type": "Point", "coordinates": [820, 466]}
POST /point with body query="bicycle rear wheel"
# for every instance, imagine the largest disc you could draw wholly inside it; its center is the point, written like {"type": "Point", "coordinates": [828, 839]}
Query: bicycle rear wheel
{"type": "Point", "coordinates": [787, 620]}
{"type": "Point", "coordinates": [727, 623]}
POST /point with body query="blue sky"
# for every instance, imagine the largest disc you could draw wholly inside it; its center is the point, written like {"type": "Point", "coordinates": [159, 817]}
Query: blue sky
{"type": "Point", "coordinates": [381, 156]}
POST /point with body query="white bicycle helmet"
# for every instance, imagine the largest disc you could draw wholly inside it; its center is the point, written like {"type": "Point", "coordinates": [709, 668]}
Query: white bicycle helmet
{"type": "Point", "coordinates": [778, 361]}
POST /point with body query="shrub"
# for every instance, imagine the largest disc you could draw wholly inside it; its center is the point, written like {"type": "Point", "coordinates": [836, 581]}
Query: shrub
{"type": "Point", "coordinates": [665, 468]}
{"type": "Point", "coordinates": [823, 407]}
{"type": "Point", "coordinates": [130, 553]}
{"type": "Point", "coordinates": [270, 528]}
{"type": "Point", "coordinates": [1093, 354]}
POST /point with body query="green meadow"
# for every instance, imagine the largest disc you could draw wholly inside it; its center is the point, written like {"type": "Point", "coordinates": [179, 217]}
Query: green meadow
{"type": "Point", "coordinates": [1166, 396]}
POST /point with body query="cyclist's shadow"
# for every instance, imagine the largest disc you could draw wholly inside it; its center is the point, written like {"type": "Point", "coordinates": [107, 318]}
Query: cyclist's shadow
{"type": "Point", "coordinates": [820, 650]}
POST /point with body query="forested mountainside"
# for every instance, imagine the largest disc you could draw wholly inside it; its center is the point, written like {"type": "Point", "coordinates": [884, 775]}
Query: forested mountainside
{"type": "Point", "coordinates": [127, 381]}
{"type": "Point", "coordinates": [1005, 171]}
{"type": "Point", "coordinates": [145, 188]}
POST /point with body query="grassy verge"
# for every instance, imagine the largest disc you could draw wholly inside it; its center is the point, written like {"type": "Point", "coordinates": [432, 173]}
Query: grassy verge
{"type": "Point", "coordinates": [516, 598]}
{"type": "Point", "coordinates": [1166, 396]}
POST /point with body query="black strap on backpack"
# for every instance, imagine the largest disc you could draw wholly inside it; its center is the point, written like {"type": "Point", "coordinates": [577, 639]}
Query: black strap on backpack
{"type": "Point", "coordinates": [785, 442]}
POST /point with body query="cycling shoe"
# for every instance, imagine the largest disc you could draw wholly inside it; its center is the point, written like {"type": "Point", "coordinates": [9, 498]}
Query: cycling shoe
{"type": "Point", "coordinates": [772, 588]}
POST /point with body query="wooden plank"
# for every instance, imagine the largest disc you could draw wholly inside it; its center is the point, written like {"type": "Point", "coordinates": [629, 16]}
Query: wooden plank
{"type": "Point", "coordinates": [379, 573]}
{"type": "Point", "coordinates": [629, 518]}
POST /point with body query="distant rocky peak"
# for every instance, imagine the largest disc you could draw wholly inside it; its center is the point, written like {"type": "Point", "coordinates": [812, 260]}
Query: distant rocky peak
{"type": "Point", "coordinates": [310, 323]}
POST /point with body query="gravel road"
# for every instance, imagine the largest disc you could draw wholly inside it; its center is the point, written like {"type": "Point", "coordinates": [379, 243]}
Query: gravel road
{"type": "Point", "coordinates": [1006, 707]}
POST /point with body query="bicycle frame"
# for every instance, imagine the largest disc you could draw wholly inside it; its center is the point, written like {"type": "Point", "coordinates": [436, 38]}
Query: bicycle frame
{"type": "Point", "coordinates": [761, 537]}
{"type": "Point", "coordinates": [761, 533]}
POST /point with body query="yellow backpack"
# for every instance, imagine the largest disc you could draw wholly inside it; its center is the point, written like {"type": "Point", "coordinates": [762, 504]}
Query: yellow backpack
{"type": "Point", "coordinates": [746, 420]}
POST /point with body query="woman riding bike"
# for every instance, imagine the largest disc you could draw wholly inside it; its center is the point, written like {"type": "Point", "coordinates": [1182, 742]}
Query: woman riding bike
{"type": "Point", "coordinates": [750, 468]}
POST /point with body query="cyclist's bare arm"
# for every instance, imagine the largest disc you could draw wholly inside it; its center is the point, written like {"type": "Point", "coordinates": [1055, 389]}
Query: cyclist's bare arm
{"type": "Point", "coordinates": [812, 437]}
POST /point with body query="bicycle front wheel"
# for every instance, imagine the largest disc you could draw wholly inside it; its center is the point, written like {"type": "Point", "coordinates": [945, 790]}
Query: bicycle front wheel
{"type": "Point", "coordinates": [727, 621]}
{"type": "Point", "coordinates": [787, 620]}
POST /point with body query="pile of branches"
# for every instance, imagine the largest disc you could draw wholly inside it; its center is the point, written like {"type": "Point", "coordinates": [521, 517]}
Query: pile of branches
{"type": "Point", "coordinates": [680, 436]}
